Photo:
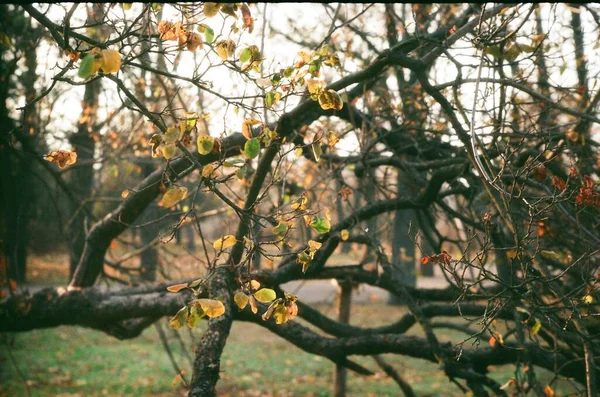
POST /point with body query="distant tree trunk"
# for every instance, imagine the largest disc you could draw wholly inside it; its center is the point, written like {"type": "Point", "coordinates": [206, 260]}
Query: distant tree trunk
{"type": "Point", "coordinates": [15, 178]}
{"type": "Point", "coordinates": [82, 174]}
{"type": "Point", "coordinates": [148, 258]}
{"type": "Point", "coordinates": [422, 222]}
{"type": "Point", "coordinates": [403, 248]}
{"type": "Point", "coordinates": [191, 237]}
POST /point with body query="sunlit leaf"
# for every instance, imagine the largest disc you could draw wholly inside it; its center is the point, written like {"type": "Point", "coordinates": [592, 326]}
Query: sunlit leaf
{"type": "Point", "coordinates": [177, 287]}
{"type": "Point", "coordinates": [269, 99]}
{"type": "Point", "coordinates": [224, 242]}
{"type": "Point", "coordinates": [252, 148]}
{"type": "Point", "coordinates": [205, 144]}
{"type": "Point", "coordinates": [247, 17]}
{"type": "Point", "coordinates": [265, 295]}
{"type": "Point", "coordinates": [305, 260]}
{"type": "Point", "coordinates": [281, 228]}
{"type": "Point", "coordinates": [535, 328]}
{"type": "Point", "coordinates": [253, 285]}
{"type": "Point", "coordinates": [317, 150]}
{"type": "Point", "coordinates": [241, 300]}
{"type": "Point", "coordinates": [269, 312]}
{"type": "Point", "coordinates": [209, 35]}
{"type": "Point", "coordinates": [212, 307]}
{"type": "Point", "coordinates": [320, 224]}
{"type": "Point", "coordinates": [179, 319]}
{"type": "Point", "coordinates": [252, 302]}
{"type": "Point", "coordinates": [314, 245]}
{"type": "Point", "coordinates": [196, 313]}
{"type": "Point", "coordinates": [588, 299]}
{"type": "Point", "coordinates": [247, 127]}
{"type": "Point", "coordinates": [168, 150]}
{"type": "Point", "coordinates": [299, 204]}
{"type": "Point", "coordinates": [86, 66]}
{"type": "Point", "coordinates": [110, 61]}
{"type": "Point", "coordinates": [245, 55]}
{"type": "Point", "coordinates": [62, 157]}
{"type": "Point", "coordinates": [345, 234]}
{"type": "Point", "coordinates": [211, 9]}
{"type": "Point", "coordinates": [229, 9]}
{"type": "Point", "coordinates": [172, 196]}
{"type": "Point", "coordinates": [329, 99]}
{"type": "Point", "coordinates": [207, 170]}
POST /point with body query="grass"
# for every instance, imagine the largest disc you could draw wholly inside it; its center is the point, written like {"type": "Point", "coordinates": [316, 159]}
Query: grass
{"type": "Point", "coordinates": [75, 361]}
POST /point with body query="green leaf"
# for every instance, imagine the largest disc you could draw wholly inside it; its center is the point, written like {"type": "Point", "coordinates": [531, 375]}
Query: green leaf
{"type": "Point", "coordinates": [317, 151]}
{"type": "Point", "coordinates": [205, 144]}
{"type": "Point", "coordinates": [168, 150]}
{"type": "Point", "coordinates": [265, 295]}
{"type": "Point", "coordinates": [252, 148]}
{"type": "Point", "coordinates": [86, 66]}
{"type": "Point", "coordinates": [196, 313]}
{"type": "Point", "coordinates": [177, 321]}
{"type": "Point", "coordinates": [281, 228]}
{"type": "Point", "coordinates": [269, 99]}
{"type": "Point", "coordinates": [234, 163]}
{"type": "Point", "coordinates": [320, 224]}
{"type": "Point", "coordinates": [245, 55]}
{"type": "Point", "coordinates": [314, 67]}
{"type": "Point", "coordinates": [209, 35]}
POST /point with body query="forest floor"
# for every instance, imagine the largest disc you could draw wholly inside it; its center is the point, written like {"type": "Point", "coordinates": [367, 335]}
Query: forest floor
{"type": "Point", "coordinates": [75, 361]}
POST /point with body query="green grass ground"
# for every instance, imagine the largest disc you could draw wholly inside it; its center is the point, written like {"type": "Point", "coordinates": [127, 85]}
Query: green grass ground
{"type": "Point", "coordinates": [74, 361]}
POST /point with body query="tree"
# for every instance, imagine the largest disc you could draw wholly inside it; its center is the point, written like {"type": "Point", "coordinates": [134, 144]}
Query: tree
{"type": "Point", "coordinates": [455, 118]}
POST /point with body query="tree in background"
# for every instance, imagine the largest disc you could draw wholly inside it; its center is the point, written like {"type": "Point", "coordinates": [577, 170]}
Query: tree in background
{"type": "Point", "coordinates": [465, 134]}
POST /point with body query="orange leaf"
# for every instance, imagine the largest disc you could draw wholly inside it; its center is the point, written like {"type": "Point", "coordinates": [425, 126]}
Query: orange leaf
{"type": "Point", "coordinates": [176, 287]}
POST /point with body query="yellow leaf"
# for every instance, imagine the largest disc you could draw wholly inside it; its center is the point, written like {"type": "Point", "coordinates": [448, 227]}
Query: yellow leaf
{"type": "Point", "coordinates": [247, 127]}
{"type": "Point", "coordinates": [588, 299]}
{"type": "Point", "coordinates": [241, 300]}
{"type": "Point", "coordinates": [329, 99]}
{"type": "Point", "coordinates": [177, 321]}
{"type": "Point", "coordinates": [314, 245]}
{"type": "Point", "coordinates": [511, 254]}
{"type": "Point", "coordinates": [205, 144]}
{"type": "Point", "coordinates": [176, 287]}
{"type": "Point", "coordinates": [196, 313]}
{"type": "Point", "coordinates": [254, 285]}
{"type": "Point", "coordinates": [345, 234]}
{"type": "Point", "coordinates": [265, 295]}
{"type": "Point", "coordinates": [110, 61]}
{"type": "Point", "coordinates": [207, 170]}
{"type": "Point", "coordinates": [172, 196]}
{"type": "Point", "coordinates": [212, 307]}
{"type": "Point", "coordinates": [211, 9]}
{"type": "Point", "coordinates": [252, 302]}
{"type": "Point", "coordinates": [536, 327]}
{"type": "Point", "coordinates": [314, 86]}
{"type": "Point", "coordinates": [224, 242]}
{"type": "Point", "coordinates": [62, 158]}
{"type": "Point", "coordinates": [168, 151]}
{"type": "Point", "coordinates": [225, 49]}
